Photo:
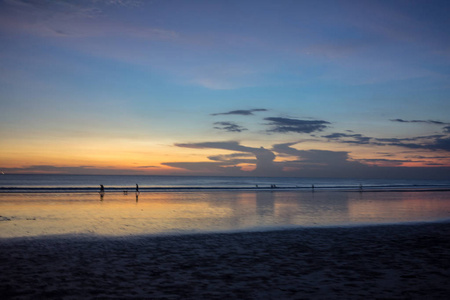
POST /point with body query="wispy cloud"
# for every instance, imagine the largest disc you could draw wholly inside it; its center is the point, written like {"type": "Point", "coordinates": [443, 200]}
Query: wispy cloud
{"type": "Point", "coordinates": [229, 127]}
{"type": "Point", "coordinates": [433, 122]}
{"type": "Point", "coordinates": [241, 112]}
{"type": "Point", "coordinates": [384, 162]}
{"type": "Point", "coordinates": [286, 125]}
{"type": "Point", "coordinates": [430, 142]}
{"type": "Point", "coordinates": [445, 129]}
{"type": "Point", "coordinates": [349, 138]}
{"type": "Point", "coordinates": [235, 157]}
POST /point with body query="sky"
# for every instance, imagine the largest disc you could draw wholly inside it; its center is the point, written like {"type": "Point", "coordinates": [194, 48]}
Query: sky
{"type": "Point", "coordinates": [357, 89]}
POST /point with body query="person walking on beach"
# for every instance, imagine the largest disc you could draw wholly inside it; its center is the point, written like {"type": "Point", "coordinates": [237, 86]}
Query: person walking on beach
{"type": "Point", "coordinates": [102, 192]}
{"type": "Point", "coordinates": [137, 188]}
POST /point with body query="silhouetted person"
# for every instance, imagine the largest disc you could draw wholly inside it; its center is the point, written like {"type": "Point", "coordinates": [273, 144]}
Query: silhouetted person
{"type": "Point", "coordinates": [312, 187]}
{"type": "Point", "coordinates": [137, 188]}
{"type": "Point", "coordinates": [102, 192]}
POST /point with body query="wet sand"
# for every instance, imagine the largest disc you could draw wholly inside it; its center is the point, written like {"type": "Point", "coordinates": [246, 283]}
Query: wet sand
{"type": "Point", "coordinates": [116, 214]}
{"type": "Point", "coordinates": [374, 262]}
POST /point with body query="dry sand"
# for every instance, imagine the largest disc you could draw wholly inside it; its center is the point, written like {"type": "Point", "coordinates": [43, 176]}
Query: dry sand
{"type": "Point", "coordinates": [372, 262]}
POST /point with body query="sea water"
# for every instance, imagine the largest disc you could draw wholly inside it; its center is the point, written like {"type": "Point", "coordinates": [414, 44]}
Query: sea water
{"type": "Point", "coordinates": [36, 205]}
{"type": "Point", "coordinates": [87, 183]}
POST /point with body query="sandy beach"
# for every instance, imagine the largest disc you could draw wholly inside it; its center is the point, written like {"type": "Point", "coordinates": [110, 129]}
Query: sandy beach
{"type": "Point", "coordinates": [372, 262]}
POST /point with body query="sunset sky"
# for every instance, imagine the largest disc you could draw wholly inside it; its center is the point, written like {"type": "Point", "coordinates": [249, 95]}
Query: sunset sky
{"type": "Point", "coordinates": [252, 88]}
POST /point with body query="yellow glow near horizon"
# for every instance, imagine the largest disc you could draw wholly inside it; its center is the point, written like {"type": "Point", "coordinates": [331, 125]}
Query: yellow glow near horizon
{"type": "Point", "coordinates": [148, 156]}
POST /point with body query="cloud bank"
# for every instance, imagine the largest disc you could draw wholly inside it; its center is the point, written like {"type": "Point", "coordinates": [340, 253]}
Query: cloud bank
{"type": "Point", "coordinates": [263, 158]}
{"type": "Point", "coordinates": [301, 163]}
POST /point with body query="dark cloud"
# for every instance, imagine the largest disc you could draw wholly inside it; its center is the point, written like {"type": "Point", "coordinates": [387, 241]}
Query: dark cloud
{"type": "Point", "coordinates": [349, 138]}
{"type": "Point", "coordinates": [241, 112]}
{"type": "Point", "coordinates": [432, 142]}
{"type": "Point", "coordinates": [264, 158]}
{"type": "Point", "coordinates": [384, 162]}
{"type": "Point", "coordinates": [324, 157]}
{"type": "Point", "coordinates": [441, 144]}
{"type": "Point", "coordinates": [234, 159]}
{"type": "Point", "coordinates": [314, 157]}
{"type": "Point", "coordinates": [387, 154]}
{"type": "Point", "coordinates": [237, 157]}
{"type": "Point", "coordinates": [285, 125]}
{"type": "Point", "coordinates": [420, 121]}
{"type": "Point", "coordinates": [390, 141]}
{"type": "Point", "coordinates": [325, 163]}
{"type": "Point", "coordinates": [229, 126]}
{"type": "Point", "coordinates": [427, 157]}
{"type": "Point", "coordinates": [320, 163]}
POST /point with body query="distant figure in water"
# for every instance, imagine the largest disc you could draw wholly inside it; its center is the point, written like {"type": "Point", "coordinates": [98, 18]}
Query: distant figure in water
{"type": "Point", "coordinates": [312, 187]}
{"type": "Point", "coordinates": [102, 192]}
{"type": "Point", "coordinates": [137, 188]}
{"type": "Point", "coordinates": [360, 187]}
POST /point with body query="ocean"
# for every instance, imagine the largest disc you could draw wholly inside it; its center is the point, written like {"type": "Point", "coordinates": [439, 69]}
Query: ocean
{"type": "Point", "coordinates": [89, 183]}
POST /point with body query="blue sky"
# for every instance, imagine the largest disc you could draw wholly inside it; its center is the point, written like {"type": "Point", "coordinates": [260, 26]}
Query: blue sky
{"type": "Point", "coordinates": [327, 88]}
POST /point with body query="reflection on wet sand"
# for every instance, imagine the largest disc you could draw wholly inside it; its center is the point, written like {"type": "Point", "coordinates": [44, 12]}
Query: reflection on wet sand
{"type": "Point", "coordinates": [175, 212]}
{"type": "Point", "coordinates": [398, 207]}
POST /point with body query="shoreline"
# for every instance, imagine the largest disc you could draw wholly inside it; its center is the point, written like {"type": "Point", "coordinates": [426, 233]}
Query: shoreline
{"type": "Point", "coordinates": [86, 237]}
{"type": "Point", "coordinates": [114, 190]}
{"type": "Point", "coordinates": [401, 261]}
